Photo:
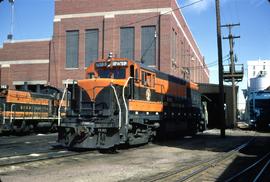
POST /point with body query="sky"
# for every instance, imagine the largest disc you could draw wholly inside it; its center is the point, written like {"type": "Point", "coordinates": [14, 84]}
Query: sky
{"type": "Point", "coordinates": [254, 32]}
{"type": "Point", "coordinates": [34, 20]}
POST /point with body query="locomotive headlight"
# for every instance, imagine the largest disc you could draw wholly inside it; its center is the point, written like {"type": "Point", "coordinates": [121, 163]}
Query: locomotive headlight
{"type": "Point", "coordinates": [4, 86]}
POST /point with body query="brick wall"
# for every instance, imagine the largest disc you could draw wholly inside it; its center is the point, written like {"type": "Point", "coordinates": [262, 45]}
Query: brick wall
{"type": "Point", "coordinates": [71, 15]}
{"type": "Point", "coordinates": [87, 6]}
{"type": "Point", "coordinates": [24, 61]}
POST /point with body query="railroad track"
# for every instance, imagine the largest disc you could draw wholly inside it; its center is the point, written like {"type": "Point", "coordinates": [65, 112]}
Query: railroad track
{"type": "Point", "coordinates": [37, 157]}
{"type": "Point", "coordinates": [26, 149]}
{"type": "Point", "coordinates": [11, 147]}
{"type": "Point", "coordinates": [214, 169]}
{"type": "Point", "coordinates": [189, 172]}
{"type": "Point", "coordinates": [25, 158]}
{"type": "Point", "coordinates": [9, 140]}
{"type": "Point", "coordinates": [259, 167]}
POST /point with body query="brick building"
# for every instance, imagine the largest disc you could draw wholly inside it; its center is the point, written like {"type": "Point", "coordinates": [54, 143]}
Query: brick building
{"type": "Point", "coordinates": [153, 32]}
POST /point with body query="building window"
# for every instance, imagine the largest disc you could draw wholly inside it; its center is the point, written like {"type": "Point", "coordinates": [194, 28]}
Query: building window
{"type": "Point", "coordinates": [263, 67]}
{"type": "Point", "coordinates": [253, 67]}
{"type": "Point", "coordinates": [127, 42]}
{"type": "Point", "coordinates": [254, 73]}
{"type": "Point", "coordinates": [91, 46]}
{"type": "Point", "coordinates": [148, 45]}
{"type": "Point", "coordinates": [72, 49]}
{"type": "Point", "coordinates": [173, 46]}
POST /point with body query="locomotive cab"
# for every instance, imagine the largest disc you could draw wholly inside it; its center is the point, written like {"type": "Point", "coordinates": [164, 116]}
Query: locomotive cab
{"type": "Point", "coordinates": [102, 76]}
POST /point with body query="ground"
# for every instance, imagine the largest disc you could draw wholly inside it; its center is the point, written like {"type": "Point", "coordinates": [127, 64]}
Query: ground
{"type": "Point", "coordinates": [132, 164]}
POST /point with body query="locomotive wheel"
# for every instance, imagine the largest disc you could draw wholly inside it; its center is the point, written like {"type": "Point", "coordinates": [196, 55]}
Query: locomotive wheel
{"type": "Point", "coordinates": [53, 127]}
{"type": "Point", "coordinates": [192, 127]}
{"type": "Point", "coordinates": [22, 128]}
{"type": "Point", "coordinates": [111, 150]}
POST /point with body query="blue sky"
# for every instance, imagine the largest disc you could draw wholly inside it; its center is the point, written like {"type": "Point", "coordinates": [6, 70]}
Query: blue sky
{"type": "Point", "coordinates": [254, 17]}
{"type": "Point", "coordinates": [34, 20]}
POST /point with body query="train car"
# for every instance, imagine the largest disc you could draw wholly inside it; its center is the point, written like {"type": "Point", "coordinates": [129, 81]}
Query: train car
{"type": "Point", "coordinates": [22, 111]}
{"type": "Point", "coordinates": [124, 102]}
{"type": "Point", "coordinates": [259, 109]}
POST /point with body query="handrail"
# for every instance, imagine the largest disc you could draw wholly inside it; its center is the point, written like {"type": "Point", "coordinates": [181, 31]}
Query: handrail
{"type": "Point", "coordinates": [119, 107]}
{"type": "Point", "coordinates": [4, 113]}
{"type": "Point", "coordinates": [125, 102]}
{"type": "Point", "coordinates": [11, 110]}
{"type": "Point", "coordinates": [61, 102]}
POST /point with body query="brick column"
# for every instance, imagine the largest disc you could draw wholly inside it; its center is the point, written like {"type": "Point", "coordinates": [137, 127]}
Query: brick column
{"type": "Point", "coordinates": [165, 43]}
{"type": "Point", "coordinates": [5, 77]}
{"type": "Point", "coordinates": [109, 34]}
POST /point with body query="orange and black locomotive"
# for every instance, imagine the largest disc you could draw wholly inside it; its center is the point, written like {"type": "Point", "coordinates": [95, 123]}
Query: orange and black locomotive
{"type": "Point", "coordinates": [124, 102]}
{"type": "Point", "coordinates": [23, 111]}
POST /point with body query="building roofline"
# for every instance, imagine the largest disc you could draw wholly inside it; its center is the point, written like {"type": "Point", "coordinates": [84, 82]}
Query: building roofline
{"type": "Point", "coordinates": [202, 62]}
{"type": "Point", "coordinates": [27, 40]}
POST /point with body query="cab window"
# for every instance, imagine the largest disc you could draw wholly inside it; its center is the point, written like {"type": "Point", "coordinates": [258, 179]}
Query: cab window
{"type": "Point", "coordinates": [91, 75]}
{"type": "Point", "coordinates": [147, 79]}
{"type": "Point", "coordinates": [136, 75]}
{"type": "Point", "coordinates": [112, 73]}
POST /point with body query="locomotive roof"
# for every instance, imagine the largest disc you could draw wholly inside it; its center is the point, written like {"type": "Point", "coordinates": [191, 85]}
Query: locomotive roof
{"type": "Point", "coordinates": [163, 75]}
{"type": "Point", "coordinates": [159, 74]}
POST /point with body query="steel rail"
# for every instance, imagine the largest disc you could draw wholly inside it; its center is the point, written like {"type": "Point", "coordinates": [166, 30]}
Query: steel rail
{"type": "Point", "coordinates": [248, 168]}
{"type": "Point", "coordinates": [206, 164]}
{"type": "Point", "coordinates": [49, 157]}
{"type": "Point", "coordinates": [261, 172]}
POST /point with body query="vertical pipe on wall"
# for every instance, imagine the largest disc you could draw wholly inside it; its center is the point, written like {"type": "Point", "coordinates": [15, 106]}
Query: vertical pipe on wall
{"type": "Point", "coordinates": [103, 37]}
{"type": "Point", "coordinates": [49, 64]}
{"type": "Point", "coordinates": [159, 28]}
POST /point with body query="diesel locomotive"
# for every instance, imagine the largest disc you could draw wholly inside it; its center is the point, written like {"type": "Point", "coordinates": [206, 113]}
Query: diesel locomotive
{"type": "Point", "coordinates": [124, 102]}
{"type": "Point", "coordinates": [259, 109]}
{"type": "Point", "coordinates": [22, 111]}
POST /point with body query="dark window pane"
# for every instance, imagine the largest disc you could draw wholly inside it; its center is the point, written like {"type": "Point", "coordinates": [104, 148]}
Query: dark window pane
{"type": "Point", "coordinates": [173, 46]}
{"type": "Point", "coordinates": [148, 47]}
{"type": "Point", "coordinates": [127, 43]}
{"type": "Point", "coordinates": [116, 73]}
{"type": "Point", "coordinates": [72, 49]}
{"type": "Point", "coordinates": [91, 46]}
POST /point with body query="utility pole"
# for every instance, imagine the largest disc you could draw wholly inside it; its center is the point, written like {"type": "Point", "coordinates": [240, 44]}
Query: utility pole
{"type": "Point", "coordinates": [220, 70]}
{"type": "Point", "coordinates": [232, 66]}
